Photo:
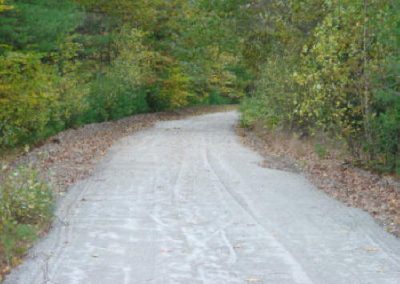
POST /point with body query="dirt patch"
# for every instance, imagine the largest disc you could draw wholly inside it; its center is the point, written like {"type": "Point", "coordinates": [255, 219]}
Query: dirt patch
{"type": "Point", "coordinates": [330, 171]}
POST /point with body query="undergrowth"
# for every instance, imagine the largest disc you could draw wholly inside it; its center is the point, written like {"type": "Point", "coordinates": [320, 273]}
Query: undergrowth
{"type": "Point", "coordinates": [26, 206]}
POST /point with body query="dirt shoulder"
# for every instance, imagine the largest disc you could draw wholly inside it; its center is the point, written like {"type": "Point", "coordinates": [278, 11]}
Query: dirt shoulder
{"type": "Point", "coordinates": [331, 172]}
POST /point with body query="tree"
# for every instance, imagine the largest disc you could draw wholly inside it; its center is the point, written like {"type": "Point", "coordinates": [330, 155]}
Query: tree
{"type": "Point", "coordinates": [38, 25]}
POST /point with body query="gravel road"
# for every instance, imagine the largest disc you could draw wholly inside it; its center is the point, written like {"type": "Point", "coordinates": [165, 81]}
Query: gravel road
{"type": "Point", "coordinates": [185, 202]}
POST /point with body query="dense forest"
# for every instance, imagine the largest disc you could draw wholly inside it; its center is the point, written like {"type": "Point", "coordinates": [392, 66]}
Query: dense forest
{"type": "Point", "coordinates": [313, 66]}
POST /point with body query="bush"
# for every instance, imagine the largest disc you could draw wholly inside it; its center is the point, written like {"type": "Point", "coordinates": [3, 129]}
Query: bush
{"type": "Point", "coordinates": [385, 131]}
{"type": "Point", "coordinates": [39, 99]}
{"type": "Point", "coordinates": [112, 99]}
{"type": "Point", "coordinates": [26, 205]}
{"type": "Point", "coordinates": [214, 98]}
{"type": "Point", "coordinates": [171, 91]}
{"type": "Point", "coordinates": [27, 98]}
{"type": "Point", "coordinates": [119, 90]}
{"type": "Point", "coordinates": [251, 111]}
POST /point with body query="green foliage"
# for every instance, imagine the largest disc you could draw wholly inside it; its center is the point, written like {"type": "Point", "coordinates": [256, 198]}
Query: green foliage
{"type": "Point", "coordinates": [38, 25]}
{"type": "Point", "coordinates": [215, 98]}
{"type": "Point", "coordinates": [251, 111]}
{"type": "Point", "coordinates": [331, 69]}
{"type": "Point", "coordinates": [174, 91]}
{"type": "Point", "coordinates": [64, 63]}
{"type": "Point", "coordinates": [26, 205]}
{"type": "Point", "coordinates": [305, 66]}
{"type": "Point", "coordinates": [111, 99]}
{"type": "Point", "coordinates": [119, 90]}
{"type": "Point", "coordinates": [71, 86]}
{"type": "Point", "coordinates": [27, 97]}
{"type": "Point", "coordinates": [321, 150]}
{"type": "Point", "coordinates": [38, 99]}
{"type": "Point", "coordinates": [4, 7]}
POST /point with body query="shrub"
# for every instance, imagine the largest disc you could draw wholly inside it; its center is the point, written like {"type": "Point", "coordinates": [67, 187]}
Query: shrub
{"type": "Point", "coordinates": [26, 204]}
{"type": "Point", "coordinates": [39, 99]}
{"type": "Point", "coordinates": [110, 98]}
{"type": "Point", "coordinates": [27, 97]}
{"type": "Point", "coordinates": [214, 98]}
